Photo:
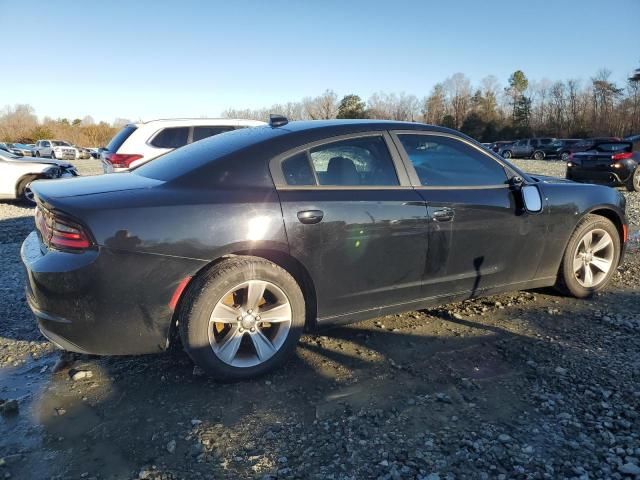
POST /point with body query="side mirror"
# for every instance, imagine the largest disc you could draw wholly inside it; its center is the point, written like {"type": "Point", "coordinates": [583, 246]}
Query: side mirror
{"type": "Point", "coordinates": [531, 198]}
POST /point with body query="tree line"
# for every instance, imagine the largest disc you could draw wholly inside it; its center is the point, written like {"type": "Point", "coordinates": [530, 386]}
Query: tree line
{"type": "Point", "coordinates": [19, 124]}
{"type": "Point", "coordinates": [489, 111]}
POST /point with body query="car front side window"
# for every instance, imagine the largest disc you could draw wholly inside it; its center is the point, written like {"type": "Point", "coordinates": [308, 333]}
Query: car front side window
{"type": "Point", "coordinates": [441, 161]}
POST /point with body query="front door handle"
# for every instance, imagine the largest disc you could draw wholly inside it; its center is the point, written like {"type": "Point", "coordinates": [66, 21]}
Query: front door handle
{"type": "Point", "coordinates": [309, 217]}
{"type": "Point", "coordinates": [443, 215]}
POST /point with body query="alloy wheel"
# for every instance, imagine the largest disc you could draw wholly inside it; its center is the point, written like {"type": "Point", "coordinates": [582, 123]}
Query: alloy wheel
{"type": "Point", "coordinates": [250, 323]}
{"type": "Point", "coordinates": [593, 258]}
{"type": "Point", "coordinates": [564, 156]}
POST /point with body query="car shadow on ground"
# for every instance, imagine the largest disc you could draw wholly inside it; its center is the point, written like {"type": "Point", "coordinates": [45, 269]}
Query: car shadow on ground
{"type": "Point", "coordinates": [427, 370]}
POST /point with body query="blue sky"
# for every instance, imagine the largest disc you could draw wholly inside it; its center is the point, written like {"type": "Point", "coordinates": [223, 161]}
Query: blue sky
{"type": "Point", "coordinates": [149, 59]}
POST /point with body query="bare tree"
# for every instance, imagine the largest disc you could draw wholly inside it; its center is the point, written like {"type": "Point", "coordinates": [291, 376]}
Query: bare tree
{"type": "Point", "coordinates": [458, 89]}
{"type": "Point", "coordinates": [322, 107]}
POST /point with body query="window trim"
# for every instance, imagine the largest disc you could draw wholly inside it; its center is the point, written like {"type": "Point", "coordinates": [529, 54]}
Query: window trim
{"type": "Point", "coordinates": [415, 180]}
{"type": "Point", "coordinates": [275, 164]}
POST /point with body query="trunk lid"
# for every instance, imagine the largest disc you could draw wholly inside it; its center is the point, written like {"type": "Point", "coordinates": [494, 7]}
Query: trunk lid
{"type": "Point", "coordinates": [51, 189]}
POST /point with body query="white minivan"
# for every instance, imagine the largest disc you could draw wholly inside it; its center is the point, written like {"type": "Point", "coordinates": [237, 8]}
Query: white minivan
{"type": "Point", "coordinates": [138, 143]}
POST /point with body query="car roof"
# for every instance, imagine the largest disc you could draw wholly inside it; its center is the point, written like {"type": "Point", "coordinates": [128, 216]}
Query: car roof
{"type": "Point", "coordinates": [199, 121]}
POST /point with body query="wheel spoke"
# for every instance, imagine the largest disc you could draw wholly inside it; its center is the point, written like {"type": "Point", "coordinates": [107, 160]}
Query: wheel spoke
{"type": "Point", "coordinates": [255, 292]}
{"type": "Point", "coordinates": [264, 347]}
{"type": "Point", "coordinates": [577, 264]}
{"type": "Point", "coordinates": [588, 276]}
{"type": "Point", "coordinates": [224, 314]}
{"type": "Point", "coordinates": [587, 239]}
{"type": "Point", "coordinates": [276, 314]}
{"type": "Point", "coordinates": [601, 264]}
{"type": "Point", "coordinates": [604, 242]}
{"type": "Point", "coordinates": [230, 344]}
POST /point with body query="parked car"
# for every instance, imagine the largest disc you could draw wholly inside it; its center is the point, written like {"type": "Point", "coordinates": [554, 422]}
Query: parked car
{"type": "Point", "coordinates": [587, 143]}
{"type": "Point", "coordinates": [19, 149]}
{"type": "Point", "coordinates": [17, 173]}
{"type": "Point", "coordinates": [82, 153]}
{"type": "Point", "coordinates": [527, 148]}
{"type": "Point", "coordinates": [240, 241]}
{"type": "Point", "coordinates": [138, 143]}
{"type": "Point", "coordinates": [559, 148]}
{"type": "Point", "coordinates": [610, 163]}
{"type": "Point", "coordinates": [497, 146]}
{"type": "Point", "coordinates": [55, 149]}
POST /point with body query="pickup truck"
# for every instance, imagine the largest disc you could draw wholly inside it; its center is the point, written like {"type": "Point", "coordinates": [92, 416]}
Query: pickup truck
{"type": "Point", "coordinates": [55, 149]}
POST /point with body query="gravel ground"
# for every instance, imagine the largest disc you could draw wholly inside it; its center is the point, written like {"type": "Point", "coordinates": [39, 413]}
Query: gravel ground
{"type": "Point", "coordinates": [524, 385]}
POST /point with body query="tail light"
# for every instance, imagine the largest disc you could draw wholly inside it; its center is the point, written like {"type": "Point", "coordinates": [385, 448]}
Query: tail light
{"type": "Point", "coordinates": [621, 156]}
{"type": "Point", "coordinates": [61, 232]}
{"type": "Point", "coordinates": [121, 160]}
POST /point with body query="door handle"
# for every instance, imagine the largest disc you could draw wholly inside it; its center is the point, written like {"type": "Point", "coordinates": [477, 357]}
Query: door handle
{"type": "Point", "coordinates": [443, 215]}
{"type": "Point", "coordinates": [309, 217]}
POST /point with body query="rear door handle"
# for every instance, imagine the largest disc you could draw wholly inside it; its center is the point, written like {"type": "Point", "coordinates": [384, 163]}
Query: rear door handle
{"type": "Point", "coordinates": [443, 215]}
{"type": "Point", "coordinates": [309, 217]}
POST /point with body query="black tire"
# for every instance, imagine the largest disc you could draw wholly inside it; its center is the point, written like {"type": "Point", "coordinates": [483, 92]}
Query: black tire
{"type": "Point", "coordinates": [564, 156]}
{"type": "Point", "coordinates": [538, 155]}
{"type": "Point", "coordinates": [23, 191]}
{"type": "Point", "coordinates": [567, 283]}
{"type": "Point", "coordinates": [53, 155]}
{"type": "Point", "coordinates": [204, 293]}
{"type": "Point", "coordinates": [507, 154]}
{"type": "Point", "coordinates": [38, 154]}
{"type": "Point", "coordinates": [633, 185]}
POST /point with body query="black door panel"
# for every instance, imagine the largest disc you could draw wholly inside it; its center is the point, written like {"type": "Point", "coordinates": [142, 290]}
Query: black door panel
{"type": "Point", "coordinates": [368, 250]}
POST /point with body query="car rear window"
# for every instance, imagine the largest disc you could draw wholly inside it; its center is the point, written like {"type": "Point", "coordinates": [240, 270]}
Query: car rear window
{"type": "Point", "coordinates": [613, 147]}
{"type": "Point", "coordinates": [196, 155]}
{"type": "Point", "coordinates": [120, 137]}
{"type": "Point", "coordinates": [174, 137]}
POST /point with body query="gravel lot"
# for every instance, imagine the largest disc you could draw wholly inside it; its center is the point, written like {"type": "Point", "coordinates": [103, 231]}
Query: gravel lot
{"type": "Point", "coordinates": [525, 385]}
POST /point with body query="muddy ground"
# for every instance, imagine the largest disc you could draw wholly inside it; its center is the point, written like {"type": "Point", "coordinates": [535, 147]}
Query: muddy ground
{"type": "Point", "coordinates": [525, 385]}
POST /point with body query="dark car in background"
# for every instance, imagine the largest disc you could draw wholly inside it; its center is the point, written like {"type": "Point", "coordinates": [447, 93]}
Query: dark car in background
{"type": "Point", "coordinates": [609, 163]}
{"type": "Point", "coordinates": [588, 143]}
{"type": "Point", "coordinates": [497, 146]}
{"type": "Point", "coordinates": [526, 148]}
{"type": "Point", "coordinates": [240, 241]}
{"type": "Point", "coordinates": [560, 148]}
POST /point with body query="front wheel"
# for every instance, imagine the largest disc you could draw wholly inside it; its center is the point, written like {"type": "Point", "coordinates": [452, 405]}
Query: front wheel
{"type": "Point", "coordinates": [564, 156]}
{"type": "Point", "coordinates": [538, 155]}
{"type": "Point", "coordinates": [53, 155]}
{"type": "Point", "coordinates": [506, 154]}
{"type": "Point", "coordinates": [591, 257]}
{"type": "Point", "coordinates": [24, 191]}
{"type": "Point", "coordinates": [634, 182]}
{"type": "Point", "coordinates": [242, 318]}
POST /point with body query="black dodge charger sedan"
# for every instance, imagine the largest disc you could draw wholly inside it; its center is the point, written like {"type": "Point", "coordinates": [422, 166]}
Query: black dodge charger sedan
{"type": "Point", "coordinates": [238, 242]}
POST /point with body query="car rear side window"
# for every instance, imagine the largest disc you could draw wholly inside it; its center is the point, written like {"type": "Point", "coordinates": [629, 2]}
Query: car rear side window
{"type": "Point", "coordinates": [121, 137]}
{"type": "Point", "coordinates": [364, 161]}
{"type": "Point", "coordinates": [203, 132]}
{"type": "Point", "coordinates": [297, 170]}
{"type": "Point", "coordinates": [441, 161]}
{"type": "Point", "coordinates": [174, 137]}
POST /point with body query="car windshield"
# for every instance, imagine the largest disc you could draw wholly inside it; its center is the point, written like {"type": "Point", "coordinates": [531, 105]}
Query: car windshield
{"type": "Point", "coordinates": [58, 143]}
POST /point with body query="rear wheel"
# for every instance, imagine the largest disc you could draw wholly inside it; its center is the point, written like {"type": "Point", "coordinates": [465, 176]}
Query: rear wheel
{"type": "Point", "coordinates": [591, 257]}
{"type": "Point", "coordinates": [633, 185]}
{"type": "Point", "coordinates": [242, 318]}
{"type": "Point", "coordinates": [506, 154]}
{"type": "Point", "coordinates": [538, 155]}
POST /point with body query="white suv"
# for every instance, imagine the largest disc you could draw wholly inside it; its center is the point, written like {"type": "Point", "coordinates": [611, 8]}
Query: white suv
{"type": "Point", "coordinates": [55, 149]}
{"type": "Point", "coordinates": [138, 143]}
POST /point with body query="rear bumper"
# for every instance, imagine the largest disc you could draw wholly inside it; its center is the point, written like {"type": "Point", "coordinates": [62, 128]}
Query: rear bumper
{"type": "Point", "coordinates": [100, 301]}
{"type": "Point", "coordinates": [612, 178]}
